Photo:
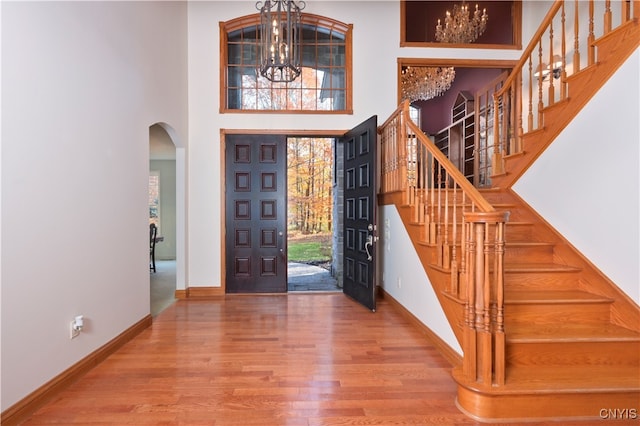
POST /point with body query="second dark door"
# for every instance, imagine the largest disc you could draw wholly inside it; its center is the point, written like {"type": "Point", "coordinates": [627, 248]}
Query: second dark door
{"type": "Point", "coordinates": [256, 214]}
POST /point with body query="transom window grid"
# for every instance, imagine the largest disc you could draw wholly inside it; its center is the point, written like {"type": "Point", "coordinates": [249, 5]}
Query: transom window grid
{"type": "Point", "coordinates": [324, 85]}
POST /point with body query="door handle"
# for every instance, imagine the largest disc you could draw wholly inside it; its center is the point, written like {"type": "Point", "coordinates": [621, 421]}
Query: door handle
{"type": "Point", "coordinates": [280, 242]}
{"type": "Point", "coordinates": [368, 244]}
{"type": "Point", "coordinates": [371, 238]}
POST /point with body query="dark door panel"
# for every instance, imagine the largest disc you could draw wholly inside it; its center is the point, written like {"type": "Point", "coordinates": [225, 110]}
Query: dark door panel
{"type": "Point", "coordinates": [255, 216]}
{"type": "Point", "coordinates": [360, 205]}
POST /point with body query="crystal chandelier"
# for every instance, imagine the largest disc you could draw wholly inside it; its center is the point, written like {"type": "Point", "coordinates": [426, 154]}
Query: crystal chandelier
{"type": "Point", "coordinates": [279, 39]}
{"type": "Point", "coordinates": [459, 28]}
{"type": "Point", "coordinates": [424, 83]}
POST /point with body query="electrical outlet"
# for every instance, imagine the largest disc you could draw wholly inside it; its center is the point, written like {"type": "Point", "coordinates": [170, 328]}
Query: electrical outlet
{"type": "Point", "coordinates": [399, 282]}
{"type": "Point", "coordinates": [73, 330]}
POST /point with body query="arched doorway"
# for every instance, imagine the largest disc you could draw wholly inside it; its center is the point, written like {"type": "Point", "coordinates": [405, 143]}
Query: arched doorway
{"type": "Point", "coordinates": [167, 210]}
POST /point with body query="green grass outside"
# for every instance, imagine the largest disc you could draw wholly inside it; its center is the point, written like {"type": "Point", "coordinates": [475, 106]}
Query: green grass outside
{"type": "Point", "coordinates": [305, 250]}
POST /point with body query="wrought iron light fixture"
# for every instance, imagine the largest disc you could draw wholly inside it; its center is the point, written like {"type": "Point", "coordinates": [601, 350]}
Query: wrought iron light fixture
{"type": "Point", "coordinates": [279, 39]}
{"type": "Point", "coordinates": [424, 83]}
{"type": "Point", "coordinates": [459, 28]}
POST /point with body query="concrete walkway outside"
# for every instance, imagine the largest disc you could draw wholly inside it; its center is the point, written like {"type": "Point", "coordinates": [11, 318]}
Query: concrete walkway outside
{"type": "Point", "coordinates": [303, 277]}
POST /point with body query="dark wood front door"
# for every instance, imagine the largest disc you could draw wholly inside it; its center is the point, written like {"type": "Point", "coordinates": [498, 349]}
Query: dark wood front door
{"type": "Point", "coordinates": [360, 213]}
{"type": "Point", "coordinates": [256, 214]}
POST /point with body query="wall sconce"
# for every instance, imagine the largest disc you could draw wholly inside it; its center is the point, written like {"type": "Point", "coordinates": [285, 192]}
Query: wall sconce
{"type": "Point", "coordinates": [554, 69]}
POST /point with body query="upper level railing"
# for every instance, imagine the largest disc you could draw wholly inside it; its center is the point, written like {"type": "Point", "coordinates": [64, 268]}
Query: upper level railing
{"type": "Point", "coordinates": [562, 46]}
{"type": "Point", "coordinates": [463, 228]}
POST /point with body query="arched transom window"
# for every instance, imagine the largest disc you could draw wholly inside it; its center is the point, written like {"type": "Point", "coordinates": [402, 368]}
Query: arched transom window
{"type": "Point", "coordinates": [323, 86]}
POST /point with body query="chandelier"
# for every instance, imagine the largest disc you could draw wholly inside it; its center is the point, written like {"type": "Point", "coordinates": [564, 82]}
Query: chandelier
{"type": "Point", "coordinates": [459, 28]}
{"type": "Point", "coordinates": [279, 39]}
{"type": "Point", "coordinates": [424, 83]}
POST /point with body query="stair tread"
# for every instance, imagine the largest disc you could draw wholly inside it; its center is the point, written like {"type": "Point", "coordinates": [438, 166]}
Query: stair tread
{"type": "Point", "coordinates": [569, 332]}
{"type": "Point", "coordinates": [551, 297]}
{"type": "Point", "coordinates": [528, 243]}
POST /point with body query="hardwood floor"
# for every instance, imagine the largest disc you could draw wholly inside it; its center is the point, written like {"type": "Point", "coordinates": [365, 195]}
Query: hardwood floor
{"type": "Point", "coordinates": [297, 359]}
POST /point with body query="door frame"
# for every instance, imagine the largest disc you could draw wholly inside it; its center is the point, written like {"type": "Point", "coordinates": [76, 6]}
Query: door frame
{"type": "Point", "coordinates": [288, 133]}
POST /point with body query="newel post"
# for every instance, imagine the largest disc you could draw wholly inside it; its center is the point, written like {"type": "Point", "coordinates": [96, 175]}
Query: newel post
{"type": "Point", "coordinates": [483, 336]}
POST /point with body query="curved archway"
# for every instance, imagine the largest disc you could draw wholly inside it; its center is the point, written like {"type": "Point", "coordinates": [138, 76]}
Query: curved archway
{"type": "Point", "coordinates": [167, 158]}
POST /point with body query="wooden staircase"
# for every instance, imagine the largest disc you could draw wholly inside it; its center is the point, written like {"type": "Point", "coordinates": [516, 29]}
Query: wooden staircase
{"type": "Point", "coordinates": [570, 338]}
{"type": "Point", "coordinates": [565, 350]}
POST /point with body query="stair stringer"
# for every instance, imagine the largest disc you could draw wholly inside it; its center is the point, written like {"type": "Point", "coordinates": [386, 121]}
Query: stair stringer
{"type": "Point", "coordinates": [624, 311]}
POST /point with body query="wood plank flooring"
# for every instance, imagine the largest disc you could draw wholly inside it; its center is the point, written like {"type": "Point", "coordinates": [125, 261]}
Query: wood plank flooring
{"type": "Point", "coordinates": [297, 359]}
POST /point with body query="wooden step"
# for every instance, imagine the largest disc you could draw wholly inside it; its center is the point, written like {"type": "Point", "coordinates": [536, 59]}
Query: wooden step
{"type": "Point", "coordinates": [555, 307]}
{"type": "Point", "coordinates": [560, 392]}
{"type": "Point", "coordinates": [571, 344]}
{"type": "Point", "coordinates": [515, 231]}
{"type": "Point", "coordinates": [570, 332]}
{"type": "Point", "coordinates": [532, 251]}
{"type": "Point", "coordinates": [536, 268]}
{"type": "Point", "coordinates": [540, 276]}
{"type": "Point", "coordinates": [536, 252]}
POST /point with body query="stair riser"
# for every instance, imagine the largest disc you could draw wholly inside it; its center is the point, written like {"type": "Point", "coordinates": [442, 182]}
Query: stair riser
{"type": "Point", "coordinates": [545, 354]}
{"type": "Point", "coordinates": [494, 197]}
{"type": "Point", "coordinates": [515, 214]}
{"type": "Point", "coordinates": [516, 233]}
{"type": "Point", "coordinates": [515, 218]}
{"type": "Point", "coordinates": [540, 281]}
{"type": "Point", "coordinates": [532, 254]}
{"type": "Point", "coordinates": [557, 313]}
{"type": "Point", "coordinates": [551, 406]}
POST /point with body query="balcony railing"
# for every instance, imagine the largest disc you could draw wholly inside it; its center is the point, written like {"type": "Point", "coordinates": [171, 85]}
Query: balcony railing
{"type": "Point", "coordinates": [563, 45]}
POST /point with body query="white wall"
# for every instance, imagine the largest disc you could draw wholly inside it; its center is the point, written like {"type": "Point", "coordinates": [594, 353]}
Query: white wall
{"type": "Point", "coordinates": [404, 278]}
{"type": "Point", "coordinates": [81, 84]}
{"type": "Point", "coordinates": [586, 184]}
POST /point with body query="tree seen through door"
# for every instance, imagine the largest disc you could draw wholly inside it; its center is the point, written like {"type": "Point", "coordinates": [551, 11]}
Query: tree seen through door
{"type": "Point", "coordinates": [310, 181]}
